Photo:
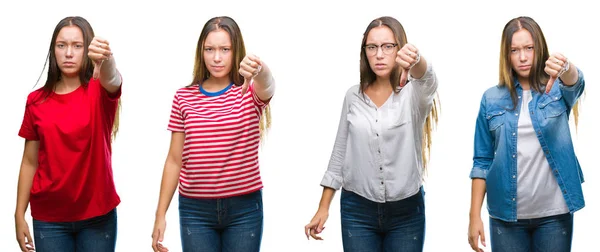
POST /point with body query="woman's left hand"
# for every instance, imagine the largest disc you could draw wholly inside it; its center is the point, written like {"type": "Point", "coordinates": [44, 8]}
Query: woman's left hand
{"type": "Point", "coordinates": [99, 51]}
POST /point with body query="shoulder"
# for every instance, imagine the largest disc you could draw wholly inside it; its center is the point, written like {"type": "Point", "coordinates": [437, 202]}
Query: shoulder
{"type": "Point", "coordinates": [353, 91]}
{"type": "Point", "coordinates": [496, 92]}
{"type": "Point", "coordinates": [35, 96]}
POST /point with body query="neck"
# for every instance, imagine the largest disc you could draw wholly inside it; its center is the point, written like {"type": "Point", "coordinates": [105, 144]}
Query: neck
{"type": "Point", "coordinates": [67, 84]}
{"type": "Point", "coordinates": [524, 83]}
{"type": "Point", "coordinates": [213, 84]}
{"type": "Point", "coordinates": [381, 84]}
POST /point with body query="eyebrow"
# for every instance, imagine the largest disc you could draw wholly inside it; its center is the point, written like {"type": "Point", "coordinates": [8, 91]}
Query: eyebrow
{"type": "Point", "coordinates": [66, 42]}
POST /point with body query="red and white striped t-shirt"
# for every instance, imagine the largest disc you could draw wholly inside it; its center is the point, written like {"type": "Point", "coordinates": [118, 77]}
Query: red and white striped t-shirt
{"type": "Point", "coordinates": [222, 136]}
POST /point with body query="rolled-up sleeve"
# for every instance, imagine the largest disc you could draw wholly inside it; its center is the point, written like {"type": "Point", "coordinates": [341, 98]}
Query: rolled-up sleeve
{"type": "Point", "coordinates": [573, 92]}
{"type": "Point", "coordinates": [333, 175]}
{"type": "Point", "coordinates": [483, 153]}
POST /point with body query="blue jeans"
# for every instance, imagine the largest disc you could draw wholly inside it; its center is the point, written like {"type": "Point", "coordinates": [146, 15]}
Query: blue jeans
{"type": "Point", "coordinates": [228, 225]}
{"type": "Point", "coordinates": [94, 234]}
{"type": "Point", "coordinates": [548, 234]}
{"type": "Point", "coordinates": [392, 226]}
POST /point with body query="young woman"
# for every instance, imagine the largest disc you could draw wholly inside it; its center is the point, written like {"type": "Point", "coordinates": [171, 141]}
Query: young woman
{"type": "Point", "coordinates": [381, 146]}
{"type": "Point", "coordinates": [66, 172]}
{"type": "Point", "coordinates": [524, 157]}
{"type": "Point", "coordinates": [216, 130]}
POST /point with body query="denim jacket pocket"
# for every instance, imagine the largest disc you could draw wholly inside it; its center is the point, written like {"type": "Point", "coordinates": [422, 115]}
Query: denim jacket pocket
{"type": "Point", "coordinates": [495, 119]}
{"type": "Point", "coordinates": [552, 106]}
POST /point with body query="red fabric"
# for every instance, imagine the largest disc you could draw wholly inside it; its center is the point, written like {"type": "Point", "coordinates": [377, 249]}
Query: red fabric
{"type": "Point", "coordinates": [74, 179]}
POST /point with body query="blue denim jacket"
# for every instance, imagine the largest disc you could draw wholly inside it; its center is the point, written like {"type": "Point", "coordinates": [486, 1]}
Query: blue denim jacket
{"type": "Point", "coordinates": [495, 152]}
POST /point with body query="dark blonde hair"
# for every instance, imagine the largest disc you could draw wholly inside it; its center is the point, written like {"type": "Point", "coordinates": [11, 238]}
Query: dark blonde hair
{"type": "Point", "coordinates": [201, 73]}
{"type": "Point", "coordinates": [538, 78]}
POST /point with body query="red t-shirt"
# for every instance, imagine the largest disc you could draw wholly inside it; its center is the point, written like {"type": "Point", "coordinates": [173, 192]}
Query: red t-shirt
{"type": "Point", "coordinates": [74, 179]}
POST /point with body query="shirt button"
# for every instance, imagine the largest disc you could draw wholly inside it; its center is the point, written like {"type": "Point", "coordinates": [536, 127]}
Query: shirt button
{"type": "Point", "coordinates": [516, 114]}
{"type": "Point", "coordinates": [532, 112]}
{"type": "Point", "coordinates": [514, 199]}
{"type": "Point", "coordinates": [376, 120]}
{"type": "Point", "coordinates": [377, 134]}
{"type": "Point", "coordinates": [519, 97]}
{"type": "Point", "coordinates": [539, 132]}
{"type": "Point", "coordinates": [378, 151]}
{"type": "Point", "coordinates": [514, 176]}
{"type": "Point", "coordinates": [513, 156]}
{"type": "Point", "coordinates": [513, 133]}
{"type": "Point", "coordinates": [382, 182]}
{"type": "Point", "coordinates": [381, 168]}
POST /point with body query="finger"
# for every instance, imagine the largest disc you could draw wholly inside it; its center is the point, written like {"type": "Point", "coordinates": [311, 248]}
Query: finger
{"type": "Point", "coordinates": [97, 56]}
{"type": "Point", "coordinates": [314, 236]}
{"type": "Point", "coordinates": [411, 48]}
{"type": "Point", "coordinates": [549, 84]}
{"type": "Point", "coordinates": [101, 40]}
{"type": "Point", "coordinates": [162, 248]}
{"type": "Point", "coordinates": [255, 59]}
{"type": "Point", "coordinates": [29, 240]}
{"type": "Point", "coordinates": [482, 237]}
{"type": "Point", "coordinates": [560, 57]}
{"type": "Point", "coordinates": [97, 67]}
{"type": "Point", "coordinates": [245, 86]}
{"type": "Point", "coordinates": [307, 230]}
{"type": "Point", "coordinates": [320, 225]}
{"type": "Point", "coordinates": [403, 77]}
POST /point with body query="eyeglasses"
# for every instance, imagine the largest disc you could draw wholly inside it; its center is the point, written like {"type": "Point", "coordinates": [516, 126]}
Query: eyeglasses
{"type": "Point", "coordinates": [387, 48]}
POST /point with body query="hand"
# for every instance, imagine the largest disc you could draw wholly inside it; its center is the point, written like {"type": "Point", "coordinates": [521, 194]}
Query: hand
{"type": "Point", "coordinates": [475, 233]}
{"type": "Point", "coordinates": [158, 235]}
{"type": "Point", "coordinates": [249, 68]}
{"type": "Point", "coordinates": [98, 52]}
{"type": "Point", "coordinates": [23, 236]}
{"type": "Point", "coordinates": [556, 65]}
{"type": "Point", "coordinates": [407, 57]}
{"type": "Point", "coordinates": [316, 225]}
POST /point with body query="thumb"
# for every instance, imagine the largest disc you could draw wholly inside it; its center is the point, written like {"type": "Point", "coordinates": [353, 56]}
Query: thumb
{"type": "Point", "coordinates": [549, 84]}
{"type": "Point", "coordinates": [482, 237]}
{"type": "Point", "coordinates": [320, 226]}
{"type": "Point", "coordinates": [161, 235]}
{"type": "Point", "coordinates": [403, 77]}
{"type": "Point", "coordinates": [97, 66]}
{"type": "Point", "coordinates": [245, 86]}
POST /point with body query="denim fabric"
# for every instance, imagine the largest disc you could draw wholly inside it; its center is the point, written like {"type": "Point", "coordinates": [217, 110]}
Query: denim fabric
{"type": "Point", "coordinates": [495, 149]}
{"type": "Point", "coordinates": [231, 224]}
{"type": "Point", "coordinates": [548, 234]}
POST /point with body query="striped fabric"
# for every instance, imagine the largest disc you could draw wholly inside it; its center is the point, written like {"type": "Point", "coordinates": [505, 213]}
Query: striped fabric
{"type": "Point", "coordinates": [222, 136]}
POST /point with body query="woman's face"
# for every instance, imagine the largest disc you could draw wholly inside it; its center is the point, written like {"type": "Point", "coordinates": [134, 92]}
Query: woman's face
{"type": "Point", "coordinates": [381, 49]}
{"type": "Point", "coordinates": [69, 50]}
{"type": "Point", "coordinates": [218, 54]}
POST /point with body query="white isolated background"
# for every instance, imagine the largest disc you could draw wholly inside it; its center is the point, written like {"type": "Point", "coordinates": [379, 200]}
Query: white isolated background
{"type": "Point", "coordinates": [312, 48]}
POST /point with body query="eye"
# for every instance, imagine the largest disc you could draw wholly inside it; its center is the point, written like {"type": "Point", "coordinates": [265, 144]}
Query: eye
{"type": "Point", "coordinates": [388, 46]}
{"type": "Point", "coordinates": [530, 48]}
{"type": "Point", "coordinates": [78, 46]}
{"type": "Point", "coordinates": [60, 45]}
{"type": "Point", "coordinates": [207, 49]}
{"type": "Point", "coordinates": [371, 47]}
{"type": "Point", "coordinates": [226, 49]}
{"type": "Point", "coordinates": [513, 50]}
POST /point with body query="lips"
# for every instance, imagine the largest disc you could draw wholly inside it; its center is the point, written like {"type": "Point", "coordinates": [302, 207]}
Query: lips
{"type": "Point", "coordinates": [524, 67]}
{"type": "Point", "coordinates": [218, 67]}
{"type": "Point", "coordinates": [68, 63]}
{"type": "Point", "coordinates": [380, 66]}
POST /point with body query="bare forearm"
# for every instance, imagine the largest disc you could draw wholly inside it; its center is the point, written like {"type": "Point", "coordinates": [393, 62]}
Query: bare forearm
{"type": "Point", "coordinates": [419, 69]}
{"type": "Point", "coordinates": [326, 198]}
{"type": "Point", "coordinates": [478, 190]}
{"type": "Point", "coordinates": [168, 186]}
{"type": "Point", "coordinates": [264, 83]}
{"type": "Point", "coordinates": [570, 77]}
{"type": "Point", "coordinates": [109, 75]}
{"type": "Point", "coordinates": [23, 189]}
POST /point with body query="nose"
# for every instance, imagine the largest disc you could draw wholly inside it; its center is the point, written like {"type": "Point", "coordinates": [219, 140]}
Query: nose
{"type": "Point", "coordinates": [522, 56]}
{"type": "Point", "coordinates": [69, 52]}
{"type": "Point", "coordinates": [379, 52]}
{"type": "Point", "coordinates": [218, 57]}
